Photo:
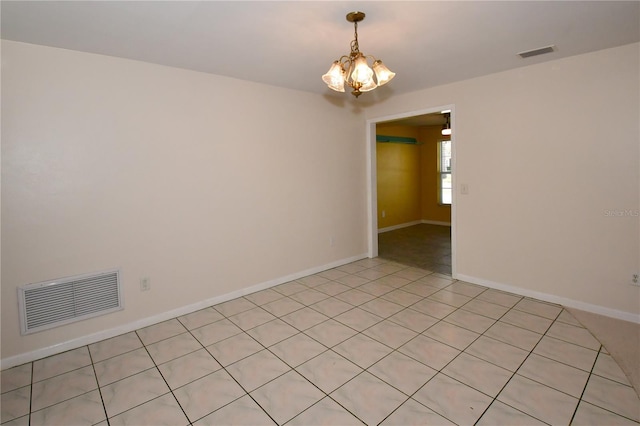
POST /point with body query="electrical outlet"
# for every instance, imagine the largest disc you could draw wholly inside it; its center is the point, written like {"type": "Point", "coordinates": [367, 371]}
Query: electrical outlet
{"type": "Point", "coordinates": [145, 284]}
{"type": "Point", "coordinates": [384, 213]}
{"type": "Point", "coordinates": [635, 280]}
{"type": "Point", "coordinates": [332, 241]}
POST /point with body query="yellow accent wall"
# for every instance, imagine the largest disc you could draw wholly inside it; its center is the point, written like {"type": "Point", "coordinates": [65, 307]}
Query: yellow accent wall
{"type": "Point", "coordinates": [430, 209]}
{"type": "Point", "coordinates": [408, 177]}
{"type": "Point", "coordinates": [398, 171]}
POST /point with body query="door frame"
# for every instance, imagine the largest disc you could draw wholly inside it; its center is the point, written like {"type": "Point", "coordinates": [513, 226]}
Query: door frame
{"type": "Point", "coordinates": [372, 184]}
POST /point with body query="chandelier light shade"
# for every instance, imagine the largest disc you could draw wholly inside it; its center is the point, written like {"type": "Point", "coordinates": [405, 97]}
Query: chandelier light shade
{"type": "Point", "coordinates": [353, 70]}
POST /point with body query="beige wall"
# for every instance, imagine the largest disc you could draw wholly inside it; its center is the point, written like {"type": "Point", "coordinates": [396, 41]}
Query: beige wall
{"type": "Point", "coordinates": [205, 184]}
{"type": "Point", "coordinates": [548, 151]}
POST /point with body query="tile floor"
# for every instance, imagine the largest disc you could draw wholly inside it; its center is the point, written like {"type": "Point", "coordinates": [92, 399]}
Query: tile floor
{"type": "Point", "coordinates": [372, 342]}
{"type": "Point", "coordinates": [424, 246]}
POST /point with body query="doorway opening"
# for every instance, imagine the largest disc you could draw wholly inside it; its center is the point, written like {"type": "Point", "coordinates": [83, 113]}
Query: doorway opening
{"type": "Point", "coordinates": [411, 194]}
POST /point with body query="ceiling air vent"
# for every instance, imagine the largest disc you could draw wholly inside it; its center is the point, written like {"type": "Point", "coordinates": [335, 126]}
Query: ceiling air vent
{"type": "Point", "coordinates": [536, 52]}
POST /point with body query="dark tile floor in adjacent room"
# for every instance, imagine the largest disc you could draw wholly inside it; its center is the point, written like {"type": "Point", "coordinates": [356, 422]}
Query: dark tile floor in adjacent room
{"type": "Point", "coordinates": [423, 246]}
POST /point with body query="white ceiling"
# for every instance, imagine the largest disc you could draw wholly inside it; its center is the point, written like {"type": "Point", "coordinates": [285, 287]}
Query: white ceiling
{"type": "Point", "coordinates": [291, 44]}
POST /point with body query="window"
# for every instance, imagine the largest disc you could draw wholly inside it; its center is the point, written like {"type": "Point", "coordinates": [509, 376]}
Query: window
{"type": "Point", "coordinates": [444, 170]}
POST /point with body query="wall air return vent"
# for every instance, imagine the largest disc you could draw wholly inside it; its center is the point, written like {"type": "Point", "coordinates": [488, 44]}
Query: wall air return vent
{"type": "Point", "coordinates": [536, 52]}
{"type": "Point", "coordinates": [54, 303]}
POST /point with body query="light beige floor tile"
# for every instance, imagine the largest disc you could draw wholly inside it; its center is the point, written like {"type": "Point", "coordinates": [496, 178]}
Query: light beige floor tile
{"type": "Point", "coordinates": [292, 287]}
{"type": "Point", "coordinates": [478, 374]}
{"type": "Point", "coordinates": [613, 396]}
{"type": "Point", "coordinates": [395, 280]}
{"type": "Point", "coordinates": [16, 377]}
{"type": "Point", "coordinates": [402, 372]}
{"type": "Point", "coordinates": [24, 421]}
{"type": "Point", "coordinates": [436, 281]}
{"type": "Point", "coordinates": [330, 333]}
{"type": "Point", "coordinates": [358, 319]}
{"type": "Point", "coordinates": [413, 320]}
{"type": "Point", "coordinates": [412, 413]}
{"type": "Point", "coordinates": [15, 404]}
{"type": "Point", "coordinates": [451, 335]}
{"type": "Point", "coordinates": [516, 336]}
{"type": "Point", "coordinates": [133, 391]}
{"type": "Point", "coordinates": [433, 308]}
{"type": "Point", "coordinates": [401, 297]}
{"type": "Point", "coordinates": [390, 333]}
{"type": "Point", "coordinates": [263, 297]}
{"type": "Point", "coordinates": [173, 347]}
{"type": "Point", "coordinates": [161, 331]}
{"type": "Point", "coordinates": [329, 371]}
{"type": "Point", "coordinates": [453, 400]}
{"type": "Point", "coordinates": [121, 366]}
{"type": "Point", "coordinates": [331, 307]}
{"type": "Point", "coordinates": [371, 274]}
{"type": "Point", "coordinates": [85, 409]}
{"type": "Point", "coordinates": [362, 350]}
{"type": "Point", "coordinates": [241, 412]}
{"type": "Point", "coordinates": [466, 289]}
{"type": "Point", "coordinates": [115, 346]}
{"type": "Point", "coordinates": [352, 280]}
{"type": "Point", "coordinates": [572, 334]}
{"type": "Point", "coordinates": [500, 298]}
{"type": "Point", "coordinates": [554, 374]}
{"type": "Point", "coordinates": [325, 412]}
{"type": "Point", "coordinates": [309, 296]}
{"type": "Point", "coordinates": [376, 288]}
{"type": "Point", "coordinates": [257, 369]}
{"type": "Point", "coordinates": [186, 369]}
{"type": "Point", "coordinates": [355, 297]}
{"type": "Point", "coordinates": [450, 298]}
{"type": "Point", "coordinates": [200, 318]}
{"type": "Point", "coordinates": [252, 318]}
{"type": "Point", "coordinates": [332, 288]}
{"type": "Point", "coordinates": [282, 306]}
{"type": "Point", "coordinates": [206, 395]}
{"type": "Point", "coordinates": [162, 411]}
{"type": "Point", "coordinates": [313, 280]}
{"type": "Point", "coordinates": [354, 268]}
{"type": "Point", "coordinates": [470, 321]}
{"type": "Point", "coordinates": [381, 307]}
{"type": "Point", "coordinates": [420, 289]}
{"type": "Point", "coordinates": [65, 386]}
{"type": "Point", "coordinates": [429, 352]}
{"type": "Point", "coordinates": [272, 332]}
{"type": "Point", "coordinates": [487, 309]}
{"type": "Point", "coordinates": [566, 317]}
{"type": "Point", "coordinates": [526, 320]}
{"type": "Point", "coordinates": [304, 318]}
{"type": "Point", "coordinates": [297, 349]}
{"type": "Point", "coordinates": [61, 363]}
{"type": "Point", "coordinates": [568, 353]}
{"type": "Point", "coordinates": [234, 348]}
{"type": "Point", "coordinates": [369, 398]}
{"type": "Point", "coordinates": [539, 401]}
{"type": "Point", "coordinates": [501, 414]}
{"type": "Point", "coordinates": [215, 332]}
{"type": "Point", "coordinates": [539, 308]}
{"type": "Point", "coordinates": [412, 274]}
{"type": "Point", "coordinates": [287, 396]}
{"type": "Point", "coordinates": [333, 274]}
{"type": "Point", "coordinates": [590, 415]}
{"type": "Point", "coordinates": [234, 306]}
{"type": "Point", "coordinates": [607, 367]}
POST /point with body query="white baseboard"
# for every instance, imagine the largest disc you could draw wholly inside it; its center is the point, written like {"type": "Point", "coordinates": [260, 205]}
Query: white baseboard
{"type": "Point", "coordinates": [412, 223]}
{"type": "Point", "coordinates": [400, 226]}
{"type": "Point", "coordinates": [583, 306]}
{"type": "Point", "coordinates": [435, 222]}
{"type": "Point", "coordinates": [145, 322]}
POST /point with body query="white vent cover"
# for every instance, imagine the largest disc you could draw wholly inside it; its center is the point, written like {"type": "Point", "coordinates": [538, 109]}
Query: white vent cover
{"type": "Point", "coordinates": [54, 303]}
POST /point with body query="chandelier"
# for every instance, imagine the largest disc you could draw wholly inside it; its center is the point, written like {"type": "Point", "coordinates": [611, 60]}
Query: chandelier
{"type": "Point", "coordinates": [353, 69]}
